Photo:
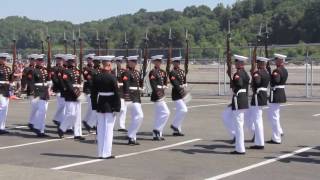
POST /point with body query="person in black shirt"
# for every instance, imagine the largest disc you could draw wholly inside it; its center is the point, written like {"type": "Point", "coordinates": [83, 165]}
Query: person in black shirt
{"type": "Point", "coordinates": [5, 79]}
{"type": "Point", "coordinates": [277, 97]}
{"type": "Point", "coordinates": [105, 89]}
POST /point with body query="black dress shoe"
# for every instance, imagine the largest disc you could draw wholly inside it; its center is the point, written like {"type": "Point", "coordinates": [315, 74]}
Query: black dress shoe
{"type": "Point", "coordinates": [122, 130]}
{"type": "Point", "coordinates": [60, 133]}
{"type": "Point", "coordinates": [237, 153]}
{"type": "Point", "coordinates": [133, 142]}
{"type": "Point", "coordinates": [273, 142]}
{"type": "Point", "coordinates": [177, 134]}
{"type": "Point", "coordinates": [69, 131]}
{"type": "Point", "coordinates": [174, 128]}
{"type": "Point", "coordinates": [109, 157]}
{"type": "Point", "coordinates": [57, 123]}
{"type": "Point", "coordinates": [30, 126]}
{"type": "Point", "coordinates": [86, 126]}
{"type": "Point", "coordinates": [79, 138]}
{"type": "Point", "coordinates": [4, 132]}
{"type": "Point", "coordinates": [42, 135]}
{"type": "Point", "coordinates": [256, 147]}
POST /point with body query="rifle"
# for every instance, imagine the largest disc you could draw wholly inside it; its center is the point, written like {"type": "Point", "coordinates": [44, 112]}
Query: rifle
{"type": "Point", "coordinates": [74, 43]}
{"type": "Point", "coordinates": [266, 37]}
{"type": "Point", "coordinates": [169, 53]}
{"type": "Point", "coordinates": [49, 54]}
{"type": "Point", "coordinates": [98, 43]}
{"type": "Point", "coordinates": [126, 45]}
{"type": "Point", "coordinates": [14, 51]}
{"type": "Point", "coordinates": [145, 59]}
{"type": "Point", "coordinates": [107, 47]}
{"type": "Point", "coordinates": [65, 42]}
{"type": "Point", "coordinates": [80, 54]}
{"type": "Point", "coordinates": [229, 61]}
{"type": "Point", "coordinates": [254, 53]}
{"type": "Point", "coordinates": [186, 61]}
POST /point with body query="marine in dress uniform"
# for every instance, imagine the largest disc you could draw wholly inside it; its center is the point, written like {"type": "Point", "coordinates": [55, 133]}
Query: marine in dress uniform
{"type": "Point", "coordinates": [72, 85]}
{"type": "Point", "coordinates": [132, 87]}
{"type": "Point", "coordinates": [27, 85]}
{"type": "Point", "coordinates": [158, 83]}
{"type": "Point", "coordinates": [277, 96]}
{"type": "Point", "coordinates": [5, 79]}
{"type": "Point", "coordinates": [260, 82]}
{"type": "Point", "coordinates": [121, 116]}
{"type": "Point", "coordinates": [87, 86]}
{"type": "Point", "coordinates": [57, 88]}
{"type": "Point", "coordinates": [177, 80]}
{"type": "Point", "coordinates": [108, 103]}
{"type": "Point", "coordinates": [42, 85]}
{"type": "Point", "coordinates": [240, 82]}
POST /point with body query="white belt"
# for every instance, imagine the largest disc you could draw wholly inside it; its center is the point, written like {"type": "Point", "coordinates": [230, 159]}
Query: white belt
{"type": "Point", "coordinates": [278, 87]}
{"type": "Point", "coordinates": [105, 93]}
{"type": "Point", "coordinates": [161, 87]}
{"type": "Point", "coordinates": [235, 97]}
{"type": "Point", "coordinates": [4, 82]}
{"type": "Point", "coordinates": [134, 88]}
{"type": "Point", "coordinates": [257, 92]}
{"type": "Point", "coordinates": [77, 85]}
{"type": "Point", "coordinates": [120, 84]}
{"type": "Point", "coordinates": [41, 84]}
{"type": "Point", "coordinates": [273, 89]}
{"type": "Point", "coordinates": [183, 85]}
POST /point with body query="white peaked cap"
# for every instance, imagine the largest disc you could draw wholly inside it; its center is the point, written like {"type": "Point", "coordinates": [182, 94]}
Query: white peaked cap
{"type": "Point", "coordinates": [240, 58]}
{"type": "Point", "coordinates": [133, 58]}
{"type": "Point", "coordinates": [89, 56]}
{"type": "Point", "coordinates": [263, 59]}
{"type": "Point", "coordinates": [58, 56]}
{"type": "Point", "coordinates": [119, 58]}
{"type": "Point", "coordinates": [177, 58]}
{"type": "Point", "coordinates": [97, 58]}
{"type": "Point", "coordinates": [4, 55]}
{"type": "Point", "coordinates": [69, 57]}
{"type": "Point", "coordinates": [107, 58]}
{"type": "Point", "coordinates": [39, 56]}
{"type": "Point", "coordinates": [280, 56]}
{"type": "Point", "coordinates": [157, 57]}
{"type": "Point", "coordinates": [32, 56]}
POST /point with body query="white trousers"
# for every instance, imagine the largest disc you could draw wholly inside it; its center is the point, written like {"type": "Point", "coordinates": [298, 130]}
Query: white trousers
{"type": "Point", "coordinates": [228, 121]}
{"type": "Point", "coordinates": [60, 112]}
{"type": "Point", "coordinates": [136, 120]}
{"type": "Point", "coordinates": [274, 119]}
{"type": "Point", "coordinates": [161, 115]}
{"type": "Point", "coordinates": [105, 133]}
{"type": "Point", "coordinates": [181, 112]}
{"type": "Point", "coordinates": [33, 110]}
{"type": "Point", "coordinates": [72, 118]}
{"type": "Point", "coordinates": [92, 121]}
{"type": "Point", "coordinates": [249, 122]}
{"type": "Point", "coordinates": [41, 107]}
{"type": "Point", "coordinates": [256, 114]}
{"type": "Point", "coordinates": [238, 122]}
{"type": "Point", "coordinates": [4, 103]}
{"type": "Point", "coordinates": [121, 116]}
{"type": "Point", "coordinates": [89, 109]}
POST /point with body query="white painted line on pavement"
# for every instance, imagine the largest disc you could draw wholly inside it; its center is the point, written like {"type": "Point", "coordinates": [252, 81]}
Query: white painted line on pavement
{"type": "Point", "coordinates": [316, 115]}
{"type": "Point", "coordinates": [205, 105]}
{"type": "Point", "coordinates": [238, 171]}
{"type": "Point", "coordinates": [126, 155]}
{"type": "Point", "coordinates": [38, 142]}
